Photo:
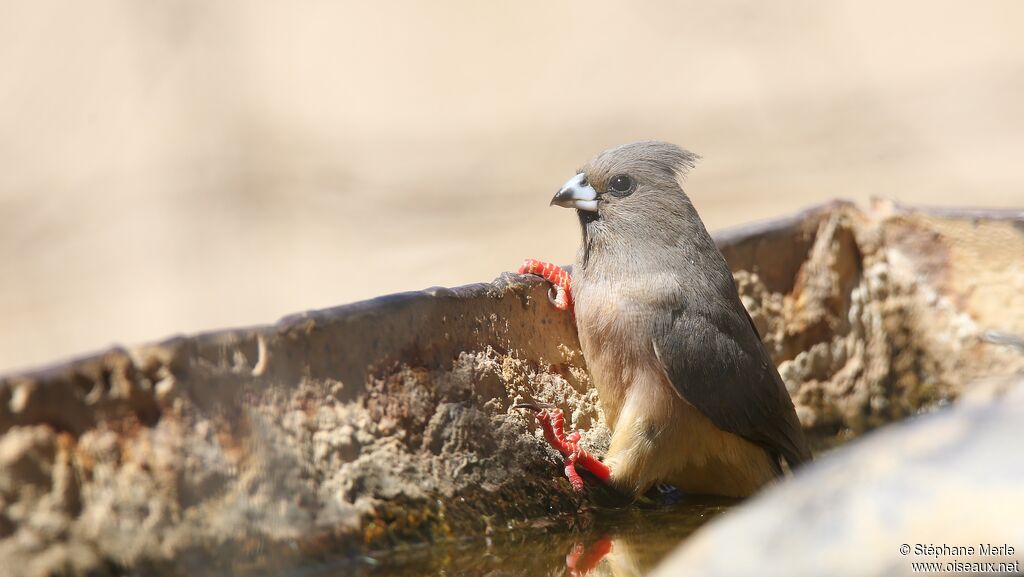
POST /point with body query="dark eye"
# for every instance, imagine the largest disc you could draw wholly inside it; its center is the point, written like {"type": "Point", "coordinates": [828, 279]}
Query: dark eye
{"type": "Point", "coordinates": [620, 185]}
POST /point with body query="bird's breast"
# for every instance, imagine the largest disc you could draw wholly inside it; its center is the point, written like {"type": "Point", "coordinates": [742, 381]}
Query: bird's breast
{"type": "Point", "coordinates": [621, 311]}
{"type": "Point", "coordinates": [614, 330]}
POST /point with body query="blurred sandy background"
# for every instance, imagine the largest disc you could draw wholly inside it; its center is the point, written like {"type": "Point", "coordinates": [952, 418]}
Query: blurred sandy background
{"type": "Point", "coordinates": [184, 165]}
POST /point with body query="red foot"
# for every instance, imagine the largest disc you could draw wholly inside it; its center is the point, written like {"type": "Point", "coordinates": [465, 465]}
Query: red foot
{"type": "Point", "coordinates": [552, 423]}
{"type": "Point", "coordinates": [554, 274]}
{"type": "Point", "coordinates": [581, 561]}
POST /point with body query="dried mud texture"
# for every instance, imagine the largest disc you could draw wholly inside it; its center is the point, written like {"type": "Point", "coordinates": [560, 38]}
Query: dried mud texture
{"type": "Point", "coordinates": [875, 328]}
{"type": "Point", "coordinates": [350, 430]}
{"type": "Point", "coordinates": [388, 423]}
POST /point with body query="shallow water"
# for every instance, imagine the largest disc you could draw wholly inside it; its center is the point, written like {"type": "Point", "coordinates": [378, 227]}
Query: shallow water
{"type": "Point", "coordinates": [627, 542]}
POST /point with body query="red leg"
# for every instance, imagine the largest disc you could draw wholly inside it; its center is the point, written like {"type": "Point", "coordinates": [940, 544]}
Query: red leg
{"type": "Point", "coordinates": [554, 274]}
{"type": "Point", "coordinates": [570, 463]}
{"type": "Point", "coordinates": [552, 423]}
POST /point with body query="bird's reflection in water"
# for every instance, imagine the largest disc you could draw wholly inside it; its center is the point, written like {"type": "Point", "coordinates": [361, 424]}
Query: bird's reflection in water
{"type": "Point", "coordinates": [607, 556]}
{"type": "Point", "coordinates": [583, 560]}
{"type": "Point", "coordinates": [630, 541]}
{"type": "Point", "coordinates": [621, 542]}
{"type": "Point", "coordinates": [623, 556]}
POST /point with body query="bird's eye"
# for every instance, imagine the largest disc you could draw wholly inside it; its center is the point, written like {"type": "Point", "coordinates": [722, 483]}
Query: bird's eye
{"type": "Point", "coordinates": [620, 185]}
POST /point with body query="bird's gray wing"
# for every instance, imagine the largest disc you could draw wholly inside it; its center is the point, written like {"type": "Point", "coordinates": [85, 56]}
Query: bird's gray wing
{"type": "Point", "coordinates": [715, 360]}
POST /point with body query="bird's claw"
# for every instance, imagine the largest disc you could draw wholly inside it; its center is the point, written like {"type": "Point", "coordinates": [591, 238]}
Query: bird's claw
{"type": "Point", "coordinates": [558, 300]}
{"type": "Point", "coordinates": [560, 291]}
{"type": "Point", "coordinates": [552, 423]}
{"type": "Point", "coordinates": [570, 468]}
{"type": "Point", "coordinates": [535, 407]}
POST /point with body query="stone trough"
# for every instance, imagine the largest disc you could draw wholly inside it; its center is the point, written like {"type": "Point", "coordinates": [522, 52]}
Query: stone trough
{"type": "Point", "coordinates": [385, 424]}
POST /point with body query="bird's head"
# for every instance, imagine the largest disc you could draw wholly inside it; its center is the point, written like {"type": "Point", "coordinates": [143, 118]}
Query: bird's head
{"type": "Point", "coordinates": [631, 192]}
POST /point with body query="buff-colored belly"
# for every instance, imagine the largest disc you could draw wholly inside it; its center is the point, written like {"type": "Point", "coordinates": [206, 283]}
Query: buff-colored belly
{"type": "Point", "coordinates": [657, 437]}
{"type": "Point", "coordinates": [714, 462]}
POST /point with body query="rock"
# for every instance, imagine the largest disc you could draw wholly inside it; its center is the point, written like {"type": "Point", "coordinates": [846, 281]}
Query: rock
{"type": "Point", "coordinates": [388, 422]}
{"type": "Point", "coordinates": [880, 318]}
{"type": "Point", "coordinates": [352, 429]}
{"type": "Point", "coordinates": [885, 502]}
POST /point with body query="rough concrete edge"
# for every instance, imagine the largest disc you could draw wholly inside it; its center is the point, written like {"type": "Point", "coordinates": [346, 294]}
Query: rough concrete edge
{"type": "Point", "coordinates": [776, 227]}
{"type": "Point", "coordinates": [973, 213]}
{"type": "Point", "coordinates": [726, 239]}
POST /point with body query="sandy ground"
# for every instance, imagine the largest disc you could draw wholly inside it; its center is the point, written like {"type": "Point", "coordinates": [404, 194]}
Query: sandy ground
{"type": "Point", "coordinates": [180, 166]}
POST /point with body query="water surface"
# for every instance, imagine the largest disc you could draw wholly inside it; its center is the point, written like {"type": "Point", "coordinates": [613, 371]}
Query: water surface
{"type": "Point", "coordinates": [624, 542]}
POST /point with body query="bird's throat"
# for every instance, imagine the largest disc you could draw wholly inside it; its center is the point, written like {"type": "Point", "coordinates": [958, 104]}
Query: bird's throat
{"type": "Point", "coordinates": [586, 219]}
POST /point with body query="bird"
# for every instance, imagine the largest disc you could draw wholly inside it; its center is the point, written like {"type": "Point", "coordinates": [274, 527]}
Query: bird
{"type": "Point", "coordinates": [689, 392]}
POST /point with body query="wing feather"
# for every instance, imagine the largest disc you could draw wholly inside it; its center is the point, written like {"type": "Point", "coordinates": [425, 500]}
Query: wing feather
{"type": "Point", "coordinates": [737, 387]}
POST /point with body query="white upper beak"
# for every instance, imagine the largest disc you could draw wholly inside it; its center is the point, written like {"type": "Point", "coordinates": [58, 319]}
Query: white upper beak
{"type": "Point", "coordinates": [576, 193]}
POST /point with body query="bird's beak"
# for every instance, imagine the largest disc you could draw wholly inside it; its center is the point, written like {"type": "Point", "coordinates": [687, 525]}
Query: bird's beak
{"type": "Point", "coordinates": [577, 194]}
